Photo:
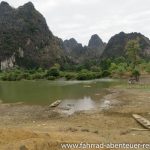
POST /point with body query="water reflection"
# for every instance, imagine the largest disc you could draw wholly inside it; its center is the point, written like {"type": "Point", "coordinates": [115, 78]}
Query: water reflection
{"type": "Point", "coordinates": [71, 106]}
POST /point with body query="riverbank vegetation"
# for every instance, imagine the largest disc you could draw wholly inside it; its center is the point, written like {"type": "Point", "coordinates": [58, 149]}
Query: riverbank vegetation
{"type": "Point", "coordinates": [116, 68]}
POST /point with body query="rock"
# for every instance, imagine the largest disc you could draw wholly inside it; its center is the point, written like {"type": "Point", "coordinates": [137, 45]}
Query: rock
{"type": "Point", "coordinates": [23, 147]}
{"type": "Point", "coordinates": [85, 130]}
{"type": "Point", "coordinates": [70, 105]}
{"type": "Point", "coordinates": [72, 129]}
{"type": "Point", "coordinates": [8, 63]}
{"type": "Point", "coordinates": [96, 132]}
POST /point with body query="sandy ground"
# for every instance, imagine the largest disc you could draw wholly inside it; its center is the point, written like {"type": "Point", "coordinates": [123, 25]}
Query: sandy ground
{"type": "Point", "coordinates": [40, 128]}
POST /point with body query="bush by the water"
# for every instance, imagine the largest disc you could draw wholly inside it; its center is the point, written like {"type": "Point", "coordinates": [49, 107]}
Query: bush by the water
{"type": "Point", "coordinates": [70, 75]}
{"type": "Point", "coordinates": [88, 75]}
{"type": "Point", "coordinates": [54, 71]}
{"type": "Point", "coordinates": [106, 68]}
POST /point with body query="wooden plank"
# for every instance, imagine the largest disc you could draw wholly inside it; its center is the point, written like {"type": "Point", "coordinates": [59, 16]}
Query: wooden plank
{"type": "Point", "coordinates": [141, 120]}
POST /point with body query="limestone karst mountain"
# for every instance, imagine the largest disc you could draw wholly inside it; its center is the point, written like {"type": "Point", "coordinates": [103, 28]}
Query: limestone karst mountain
{"type": "Point", "coordinates": [116, 45]}
{"type": "Point", "coordinates": [26, 41]}
{"type": "Point", "coordinates": [95, 47]}
{"type": "Point", "coordinates": [81, 53]}
{"type": "Point", "coordinates": [25, 36]}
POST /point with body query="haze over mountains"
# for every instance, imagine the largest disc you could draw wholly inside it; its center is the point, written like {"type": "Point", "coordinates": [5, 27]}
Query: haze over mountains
{"type": "Point", "coordinates": [26, 41]}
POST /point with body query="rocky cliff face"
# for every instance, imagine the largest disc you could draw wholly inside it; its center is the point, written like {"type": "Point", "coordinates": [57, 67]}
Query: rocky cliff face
{"type": "Point", "coordinates": [70, 44]}
{"type": "Point", "coordinates": [24, 30]}
{"type": "Point", "coordinates": [95, 47]}
{"type": "Point", "coordinates": [8, 63]}
{"type": "Point", "coordinates": [74, 50]}
{"type": "Point", "coordinates": [96, 43]}
{"type": "Point", "coordinates": [116, 45]}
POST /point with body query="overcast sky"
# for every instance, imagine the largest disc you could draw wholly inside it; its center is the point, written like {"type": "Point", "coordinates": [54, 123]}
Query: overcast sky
{"type": "Point", "coordinates": [82, 18]}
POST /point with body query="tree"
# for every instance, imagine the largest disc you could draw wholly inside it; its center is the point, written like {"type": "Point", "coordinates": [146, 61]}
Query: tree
{"type": "Point", "coordinates": [132, 51]}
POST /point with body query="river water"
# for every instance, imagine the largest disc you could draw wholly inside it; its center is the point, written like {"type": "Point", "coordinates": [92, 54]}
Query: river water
{"type": "Point", "coordinates": [80, 95]}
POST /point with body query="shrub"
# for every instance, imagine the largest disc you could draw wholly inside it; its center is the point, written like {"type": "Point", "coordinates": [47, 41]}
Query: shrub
{"type": "Point", "coordinates": [26, 76]}
{"type": "Point", "coordinates": [106, 73]}
{"type": "Point", "coordinates": [86, 75]}
{"type": "Point", "coordinates": [95, 69]}
{"type": "Point", "coordinates": [69, 76]}
{"type": "Point", "coordinates": [4, 77]}
{"type": "Point", "coordinates": [54, 71]}
{"type": "Point", "coordinates": [9, 77]}
{"type": "Point", "coordinates": [136, 74]}
{"type": "Point", "coordinates": [98, 75]}
{"type": "Point", "coordinates": [37, 76]}
{"type": "Point", "coordinates": [113, 68]}
{"type": "Point", "coordinates": [120, 70]}
{"type": "Point", "coordinates": [148, 68]}
{"type": "Point", "coordinates": [51, 78]}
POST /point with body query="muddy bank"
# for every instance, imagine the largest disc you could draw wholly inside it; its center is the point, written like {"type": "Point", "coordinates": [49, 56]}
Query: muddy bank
{"type": "Point", "coordinates": [25, 127]}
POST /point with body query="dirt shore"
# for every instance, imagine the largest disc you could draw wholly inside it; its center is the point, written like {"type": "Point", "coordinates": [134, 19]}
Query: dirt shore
{"type": "Point", "coordinates": [25, 127]}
